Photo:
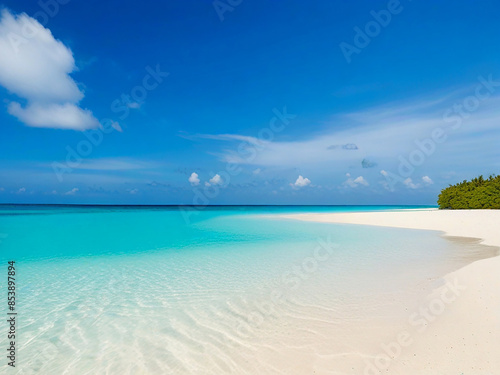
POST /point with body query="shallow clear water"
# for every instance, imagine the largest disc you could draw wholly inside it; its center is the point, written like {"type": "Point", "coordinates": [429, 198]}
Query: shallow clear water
{"type": "Point", "coordinates": [144, 290]}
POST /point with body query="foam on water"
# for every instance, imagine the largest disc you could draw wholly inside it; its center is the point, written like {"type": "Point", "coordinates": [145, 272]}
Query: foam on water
{"type": "Point", "coordinates": [237, 291]}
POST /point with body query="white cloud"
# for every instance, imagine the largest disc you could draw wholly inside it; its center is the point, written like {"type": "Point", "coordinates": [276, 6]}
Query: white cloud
{"type": "Point", "coordinates": [216, 180]}
{"type": "Point", "coordinates": [115, 125]}
{"type": "Point", "coordinates": [72, 191]}
{"type": "Point", "coordinates": [36, 67]}
{"type": "Point", "coordinates": [301, 182]}
{"type": "Point", "coordinates": [410, 184]}
{"type": "Point", "coordinates": [354, 182]}
{"type": "Point", "coordinates": [21, 190]}
{"type": "Point", "coordinates": [56, 116]}
{"type": "Point", "coordinates": [116, 164]}
{"type": "Point", "coordinates": [256, 171]}
{"type": "Point", "coordinates": [2, 189]}
{"type": "Point", "coordinates": [133, 191]}
{"type": "Point", "coordinates": [383, 134]}
{"type": "Point", "coordinates": [228, 137]}
{"type": "Point", "coordinates": [193, 179]}
{"type": "Point", "coordinates": [207, 184]}
{"type": "Point", "coordinates": [427, 180]}
{"type": "Point", "coordinates": [361, 180]}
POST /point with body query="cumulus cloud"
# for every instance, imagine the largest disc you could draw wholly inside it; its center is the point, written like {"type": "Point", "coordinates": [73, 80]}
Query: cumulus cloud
{"type": "Point", "coordinates": [427, 180]}
{"type": "Point", "coordinates": [36, 67]}
{"type": "Point", "coordinates": [72, 191]}
{"type": "Point", "coordinates": [355, 182]}
{"type": "Point", "coordinates": [410, 184]}
{"type": "Point", "coordinates": [193, 179]}
{"type": "Point", "coordinates": [301, 182]}
{"type": "Point", "coordinates": [361, 180]}
{"type": "Point", "coordinates": [216, 180]}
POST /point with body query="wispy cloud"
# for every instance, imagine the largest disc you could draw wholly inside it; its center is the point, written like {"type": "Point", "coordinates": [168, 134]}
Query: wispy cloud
{"type": "Point", "coordinates": [380, 133]}
{"type": "Point", "coordinates": [224, 137]}
{"type": "Point", "coordinates": [72, 191]}
{"type": "Point", "coordinates": [116, 164]}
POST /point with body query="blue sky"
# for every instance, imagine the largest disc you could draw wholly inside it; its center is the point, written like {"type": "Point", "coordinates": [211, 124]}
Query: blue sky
{"type": "Point", "coordinates": [258, 102]}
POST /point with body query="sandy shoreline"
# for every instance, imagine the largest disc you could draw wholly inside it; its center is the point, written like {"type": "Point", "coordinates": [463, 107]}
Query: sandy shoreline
{"type": "Point", "coordinates": [460, 337]}
{"type": "Point", "coordinates": [481, 224]}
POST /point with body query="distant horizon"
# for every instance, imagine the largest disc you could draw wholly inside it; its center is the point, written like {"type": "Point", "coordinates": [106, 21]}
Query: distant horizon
{"type": "Point", "coordinates": [219, 205]}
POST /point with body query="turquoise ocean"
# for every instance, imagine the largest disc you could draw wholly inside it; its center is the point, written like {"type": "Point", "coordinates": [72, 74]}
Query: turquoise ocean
{"type": "Point", "coordinates": [213, 290]}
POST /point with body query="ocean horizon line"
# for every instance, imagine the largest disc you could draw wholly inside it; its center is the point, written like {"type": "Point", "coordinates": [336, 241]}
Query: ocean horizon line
{"type": "Point", "coordinates": [214, 205]}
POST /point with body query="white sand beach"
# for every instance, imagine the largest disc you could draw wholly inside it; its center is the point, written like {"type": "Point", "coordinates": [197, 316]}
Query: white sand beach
{"type": "Point", "coordinates": [460, 322]}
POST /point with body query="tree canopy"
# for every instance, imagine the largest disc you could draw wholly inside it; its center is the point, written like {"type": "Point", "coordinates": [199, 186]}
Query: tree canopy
{"type": "Point", "coordinates": [478, 193]}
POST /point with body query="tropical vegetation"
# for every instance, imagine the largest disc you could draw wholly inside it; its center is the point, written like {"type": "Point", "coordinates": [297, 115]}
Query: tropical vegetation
{"type": "Point", "coordinates": [478, 193]}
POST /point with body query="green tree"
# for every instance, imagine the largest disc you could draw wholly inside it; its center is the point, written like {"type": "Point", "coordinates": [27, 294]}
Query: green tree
{"type": "Point", "coordinates": [478, 193]}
